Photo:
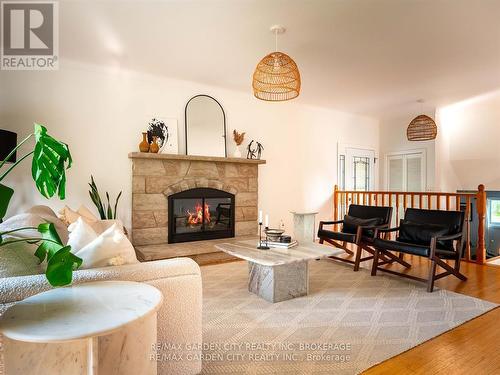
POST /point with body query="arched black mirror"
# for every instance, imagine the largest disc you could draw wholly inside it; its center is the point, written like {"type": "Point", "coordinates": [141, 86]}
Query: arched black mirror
{"type": "Point", "coordinates": [205, 123]}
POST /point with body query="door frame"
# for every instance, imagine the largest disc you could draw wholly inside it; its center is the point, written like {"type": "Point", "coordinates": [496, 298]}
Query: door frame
{"type": "Point", "coordinates": [341, 150]}
{"type": "Point", "coordinates": [421, 151]}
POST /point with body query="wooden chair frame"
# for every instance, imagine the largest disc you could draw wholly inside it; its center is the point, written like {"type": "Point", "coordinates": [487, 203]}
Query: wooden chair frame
{"type": "Point", "coordinates": [433, 257]}
{"type": "Point", "coordinates": [360, 246]}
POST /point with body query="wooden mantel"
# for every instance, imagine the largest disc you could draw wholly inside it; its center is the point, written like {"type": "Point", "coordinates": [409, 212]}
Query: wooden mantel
{"type": "Point", "coordinates": [147, 155]}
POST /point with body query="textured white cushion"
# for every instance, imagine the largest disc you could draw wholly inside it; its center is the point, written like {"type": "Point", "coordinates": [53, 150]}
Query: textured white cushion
{"type": "Point", "coordinates": [18, 259]}
{"type": "Point", "coordinates": [33, 220]}
{"type": "Point", "coordinates": [80, 235]}
{"type": "Point", "coordinates": [111, 248]}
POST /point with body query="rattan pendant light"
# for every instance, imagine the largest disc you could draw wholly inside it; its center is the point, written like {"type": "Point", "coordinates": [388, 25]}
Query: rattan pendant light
{"type": "Point", "coordinates": [421, 128]}
{"type": "Point", "coordinates": [276, 77]}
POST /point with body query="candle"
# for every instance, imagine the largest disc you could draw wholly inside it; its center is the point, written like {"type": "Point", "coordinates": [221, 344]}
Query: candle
{"type": "Point", "coordinates": [267, 221]}
{"type": "Point", "coordinates": [260, 217]}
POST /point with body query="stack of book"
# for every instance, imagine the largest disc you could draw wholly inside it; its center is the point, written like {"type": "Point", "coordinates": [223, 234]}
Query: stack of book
{"type": "Point", "coordinates": [280, 245]}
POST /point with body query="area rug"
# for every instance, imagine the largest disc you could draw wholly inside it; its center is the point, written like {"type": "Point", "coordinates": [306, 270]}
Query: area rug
{"type": "Point", "coordinates": [349, 322]}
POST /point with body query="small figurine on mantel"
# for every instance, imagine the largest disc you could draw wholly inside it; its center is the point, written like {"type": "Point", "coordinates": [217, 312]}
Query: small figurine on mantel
{"type": "Point", "coordinates": [254, 153]}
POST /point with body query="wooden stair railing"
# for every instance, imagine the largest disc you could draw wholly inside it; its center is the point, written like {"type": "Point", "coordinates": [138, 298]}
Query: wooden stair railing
{"type": "Point", "coordinates": [400, 200]}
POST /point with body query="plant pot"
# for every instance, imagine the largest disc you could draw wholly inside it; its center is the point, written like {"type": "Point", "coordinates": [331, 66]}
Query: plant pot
{"type": "Point", "coordinates": [144, 145]}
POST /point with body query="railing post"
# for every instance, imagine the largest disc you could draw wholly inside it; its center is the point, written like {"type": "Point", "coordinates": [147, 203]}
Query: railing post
{"type": "Point", "coordinates": [335, 203]}
{"type": "Point", "coordinates": [481, 214]}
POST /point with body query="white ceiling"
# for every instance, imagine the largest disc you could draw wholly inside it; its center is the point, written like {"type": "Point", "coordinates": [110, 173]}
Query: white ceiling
{"type": "Point", "coordinates": [364, 56]}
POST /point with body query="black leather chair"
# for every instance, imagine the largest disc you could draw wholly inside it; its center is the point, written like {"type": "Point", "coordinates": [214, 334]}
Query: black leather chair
{"type": "Point", "coordinates": [432, 234]}
{"type": "Point", "coordinates": [358, 227]}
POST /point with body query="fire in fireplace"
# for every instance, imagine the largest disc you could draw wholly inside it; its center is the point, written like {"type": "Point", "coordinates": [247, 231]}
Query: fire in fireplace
{"type": "Point", "coordinates": [199, 214]}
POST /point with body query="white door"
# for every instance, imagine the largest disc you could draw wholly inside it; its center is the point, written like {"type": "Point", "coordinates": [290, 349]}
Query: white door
{"type": "Point", "coordinates": [406, 171]}
{"type": "Point", "coordinates": [357, 173]}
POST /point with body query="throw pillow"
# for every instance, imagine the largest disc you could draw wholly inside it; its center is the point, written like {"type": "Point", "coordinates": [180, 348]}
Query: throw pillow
{"type": "Point", "coordinates": [80, 235]}
{"type": "Point", "coordinates": [43, 211]}
{"type": "Point", "coordinates": [68, 215]}
{"type": "Point", "coordinates": [110, 248]}
{"type": "Point", "coordinates": [86, 214]}
{"type": "Point", "coordinates": [32, 220]}
{"type": "Point", "coordinates": [421, 233]}
{"type": "Point", "coordinates": [352, 223]}
{"type": "Point", "coordinates": [101, 226]}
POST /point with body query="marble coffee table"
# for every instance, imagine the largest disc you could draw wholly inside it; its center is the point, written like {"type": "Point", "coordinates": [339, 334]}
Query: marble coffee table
{"type": "Point", "coordinates": [278, 274]}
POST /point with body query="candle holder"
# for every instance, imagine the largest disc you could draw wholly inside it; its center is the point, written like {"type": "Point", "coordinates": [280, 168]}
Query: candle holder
{"type": "Point", "coordinates": [262, 247]}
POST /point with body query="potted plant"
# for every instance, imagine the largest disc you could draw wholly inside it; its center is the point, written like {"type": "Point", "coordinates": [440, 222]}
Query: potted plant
{"type": "Point", "coordinates": [50, 159]}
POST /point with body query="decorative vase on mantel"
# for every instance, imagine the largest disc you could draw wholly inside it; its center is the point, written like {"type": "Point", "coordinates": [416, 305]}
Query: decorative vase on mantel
{"type": "Point", "coordinates": [154, 147]}
{"type": "Point", "coordinates": [238, 140]}
{"type": "Point", "coordinates": [144, 145]}
{"type": "Point", "coordinates": [237, 152]}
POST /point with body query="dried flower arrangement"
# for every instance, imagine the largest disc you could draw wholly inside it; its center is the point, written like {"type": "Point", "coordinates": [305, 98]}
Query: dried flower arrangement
{"type": "Point", "coordinates": [238, 137]}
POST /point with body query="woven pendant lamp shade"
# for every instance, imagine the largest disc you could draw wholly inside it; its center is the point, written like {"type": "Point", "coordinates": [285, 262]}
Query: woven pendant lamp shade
{"type": "Point", "coordinates": [276, 78]}
{"type": "Point", "coordinates": [421, 128]}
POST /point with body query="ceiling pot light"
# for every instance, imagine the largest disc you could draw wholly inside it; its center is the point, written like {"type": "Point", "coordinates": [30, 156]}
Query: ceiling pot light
{"type": "Point", "coordinates": [276, 77]}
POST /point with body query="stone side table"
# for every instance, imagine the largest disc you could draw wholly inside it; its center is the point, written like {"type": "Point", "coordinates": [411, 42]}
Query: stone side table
{"type": "Point", "coordinates": [304, 226]}
{"type": "Point", "coordinates": [103, 327]}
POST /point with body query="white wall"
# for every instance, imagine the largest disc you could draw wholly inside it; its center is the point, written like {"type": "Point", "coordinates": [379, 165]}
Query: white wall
{"type": "Point", "coordinates": [470, 149]}
{"type": "Point", "coordinates": [393, 139]}
{"type": "Point", "coordinates": [101, 112]}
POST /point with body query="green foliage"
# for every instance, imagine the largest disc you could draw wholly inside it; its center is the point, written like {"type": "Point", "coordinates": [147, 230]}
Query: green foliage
{"type": "Point", "coordinates": [5, 196]}
{"type": "Point", "coordinates": [60, 261]}
{"type": "Point", "coordinates": [50, 160]}
{"type": "Point", "coordinates": [104, 212]}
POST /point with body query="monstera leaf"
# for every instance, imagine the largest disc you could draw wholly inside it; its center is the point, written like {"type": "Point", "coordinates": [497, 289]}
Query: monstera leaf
{"type": "Point", "coordinates": [60, 261]}
{"type": "Point", "coordinates": [60, 267]}
{"type": "Point", "coordinates": [5, 195]}
{"type": "Point", "coordinates": [50, 160]}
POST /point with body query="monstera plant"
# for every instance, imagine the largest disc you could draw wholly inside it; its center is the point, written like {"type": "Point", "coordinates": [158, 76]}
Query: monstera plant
{"type": "Point", "coordinates": [50, 159]}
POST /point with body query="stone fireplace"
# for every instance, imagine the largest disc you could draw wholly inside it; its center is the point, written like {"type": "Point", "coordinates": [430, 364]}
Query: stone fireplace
{"type": "Point", "coordinates": [178, 198]}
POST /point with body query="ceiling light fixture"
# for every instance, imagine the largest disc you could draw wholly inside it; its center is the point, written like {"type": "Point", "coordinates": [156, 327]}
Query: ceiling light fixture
{"type": "Point", "coordinates": [276, 77]}
{"type": "Point", "coordinates": [422, 127]}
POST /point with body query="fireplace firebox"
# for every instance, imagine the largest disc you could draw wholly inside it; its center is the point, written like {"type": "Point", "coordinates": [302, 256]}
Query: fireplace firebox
{"type": "Point", "coordinates": [200, 214]}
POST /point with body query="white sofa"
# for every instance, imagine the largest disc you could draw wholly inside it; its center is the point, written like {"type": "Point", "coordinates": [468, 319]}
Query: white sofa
{"type": "Point", "coordinates": [179, 319]}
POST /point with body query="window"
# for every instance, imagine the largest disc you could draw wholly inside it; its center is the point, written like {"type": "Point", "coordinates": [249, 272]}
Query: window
{"type": "Point", "coordinates": [361, 173]}
{"type": "Point", "coordinates": [494, 212]}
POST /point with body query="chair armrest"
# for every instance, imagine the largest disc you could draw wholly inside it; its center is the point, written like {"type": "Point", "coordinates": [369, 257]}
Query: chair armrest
{"type": "Point", "coordinates": [455, 236]}
{"type": "Point", "coordinates": [321, 223]}
{"type": "Point", "coordinates": [387, 230]}
{"type": "Point", "coordinates": [381, 227]}
{"type": "Point", "coordinates": [384, 230]}
{"type": "Point", "coordinates": [375, 229]}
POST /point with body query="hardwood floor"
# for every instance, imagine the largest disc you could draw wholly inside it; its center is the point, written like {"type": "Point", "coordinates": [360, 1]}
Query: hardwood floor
{"type": "Point", "coordinates": [472, 348]}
